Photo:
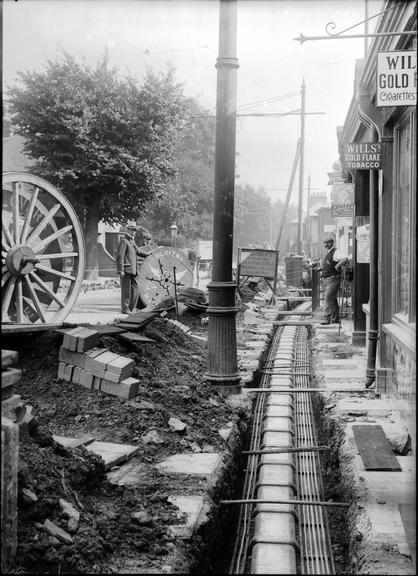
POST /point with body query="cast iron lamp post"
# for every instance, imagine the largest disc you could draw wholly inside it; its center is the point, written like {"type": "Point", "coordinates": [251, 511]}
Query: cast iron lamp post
{"type": "Point", "coordinates": [222, 366]}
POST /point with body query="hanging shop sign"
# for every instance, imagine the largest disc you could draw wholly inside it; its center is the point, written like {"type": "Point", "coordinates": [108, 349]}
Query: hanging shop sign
{"type": "Point", "coordinates": [363, 239]}
{"type": "Point", "coordinates": [341, 210]}
{"type": "Point", "coordinates": [342, 193]}
{"type": "Point", "coordinates": [342, 199]}
{"type": "Point", "coordinates": [363, 155]}
{"type": "Point", "coordinates": [396, 78]}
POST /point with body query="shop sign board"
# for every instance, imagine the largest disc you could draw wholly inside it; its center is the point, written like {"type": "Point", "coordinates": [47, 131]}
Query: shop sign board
{"type": "Point", "coordinates": [342, 199]}
{"type": "Point", "coordinates": [363, 155]}
{"type": "Point", "coordinates": [341, 210]}
{"type": "Point", "coordinates": [396, 78]}
{"type": "Point", "coordinates": [363, 239]}
{"type": "Point", "coordinates": [342, 193]}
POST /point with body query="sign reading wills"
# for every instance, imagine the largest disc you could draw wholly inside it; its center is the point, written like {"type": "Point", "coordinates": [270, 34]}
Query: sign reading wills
{"type": "Point", "coordinates": [396, 78]}
{"type": "Point", "coordinates": [363, 155]}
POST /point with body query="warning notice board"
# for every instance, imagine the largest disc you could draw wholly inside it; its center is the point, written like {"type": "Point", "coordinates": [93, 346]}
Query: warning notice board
{"type": "Point", "coordinates": [257, 262]}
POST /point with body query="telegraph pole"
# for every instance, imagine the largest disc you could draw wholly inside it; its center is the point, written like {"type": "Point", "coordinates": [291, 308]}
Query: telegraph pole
{"type": "Point", "coordinates": [309, 231]}
{"type": "Point", "coordinates": [301, 167]}
{"type": "Point", "coordinates": [222, 366]}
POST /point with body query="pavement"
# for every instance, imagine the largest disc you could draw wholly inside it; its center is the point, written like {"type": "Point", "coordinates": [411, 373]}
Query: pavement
{"type": "Point", "coordinates": [383, 514]}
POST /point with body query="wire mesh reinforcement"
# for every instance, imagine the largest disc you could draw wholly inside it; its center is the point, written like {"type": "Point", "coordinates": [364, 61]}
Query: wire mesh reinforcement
{"type": "Point", "coordinates": [316, 550]}
{"type": "Point", "coordinates": [313, 531]}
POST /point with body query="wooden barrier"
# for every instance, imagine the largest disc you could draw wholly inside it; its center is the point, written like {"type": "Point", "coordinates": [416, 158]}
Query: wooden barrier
{"type": "Point", "coordinates": [9, 463]}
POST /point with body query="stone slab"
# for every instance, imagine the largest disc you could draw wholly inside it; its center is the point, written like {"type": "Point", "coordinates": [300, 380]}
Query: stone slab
{"type": "Point", "coordinates": [8, 358]}
{"type": "Point", "coordinates": [204, 464]}
{"type": "Point", "coordinates": [346, 373]}
{"type": "Point", "coordinates": [130, 474]}
{"type": "Point", "coordinates": [111, 453]}
{"type": "Point", "coordinates": [346, 363]}
{"type": "Point", "coordinates": [379, 407]}
{"type": "Point", "coordinates": [196, 510]}
{"type": "Point", "coordinates": [69, 442]}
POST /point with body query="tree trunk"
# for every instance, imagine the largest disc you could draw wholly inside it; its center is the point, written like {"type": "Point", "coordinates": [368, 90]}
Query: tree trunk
{"type": "Point", "coordinates": [91, 235]}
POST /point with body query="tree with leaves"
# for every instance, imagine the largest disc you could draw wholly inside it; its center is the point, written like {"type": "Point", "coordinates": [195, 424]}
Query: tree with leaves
{"type": "Point", "coordinates": [106, 142]}
{"type": "Point", "coordinates": [189, 196]}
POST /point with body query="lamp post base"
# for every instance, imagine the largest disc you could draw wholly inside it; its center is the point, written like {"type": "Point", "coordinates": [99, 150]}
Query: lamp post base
{"type": "Point", "coordinates": [222, 369]}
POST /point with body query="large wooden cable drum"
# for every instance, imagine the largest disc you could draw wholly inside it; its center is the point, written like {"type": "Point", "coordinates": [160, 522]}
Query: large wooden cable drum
{"type": "Point", "coordinates": [161, 271]}
{"type": "Point", "coordinates": [43, 252]}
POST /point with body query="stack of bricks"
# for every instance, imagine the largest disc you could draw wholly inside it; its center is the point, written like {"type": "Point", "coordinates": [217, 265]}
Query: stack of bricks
{"type": "Point", "coordinates": [82, 362]}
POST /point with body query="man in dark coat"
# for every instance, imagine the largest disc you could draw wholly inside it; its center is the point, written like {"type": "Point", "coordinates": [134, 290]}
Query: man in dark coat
{"type": "Point", "coordinates": [127, 268]}
{"type": "Point", "coordinates": [331, 269]}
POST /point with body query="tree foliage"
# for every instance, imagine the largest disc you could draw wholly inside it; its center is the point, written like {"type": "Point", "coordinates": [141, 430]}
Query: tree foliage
{"type": "Point", "coordinates": [257, 219]}
{"type": "Point", "coordinates": [189, 196]}
{"type": "Point", "coordinates": [108, 143]}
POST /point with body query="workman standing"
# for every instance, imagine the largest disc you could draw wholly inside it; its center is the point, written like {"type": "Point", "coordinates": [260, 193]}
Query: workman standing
{"type": "Point", "coordinates": [127, 268]}
{"type": "Point", "coordinates": [331, 270]}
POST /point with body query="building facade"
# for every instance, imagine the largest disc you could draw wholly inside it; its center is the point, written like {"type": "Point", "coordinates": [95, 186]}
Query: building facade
{"type": "Point", "coordinates": [384, 291]}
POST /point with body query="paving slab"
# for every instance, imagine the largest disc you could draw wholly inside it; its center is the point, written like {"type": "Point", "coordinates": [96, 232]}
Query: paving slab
{"type": "Point", "coordinates": [69, 442]}
{"type": "Point", "coordinates": [195, 508]}
{"type": "Point", "coordinates": [347, 363]}
{"type": "Point", "coordinates": [111, 453]}
{"type": "Point", "coordinates": [378, 407]}
{"type": "Point", "coordinates": [385, 491]}
{"type": "Point", "coordinates": [349, 373]}
{"type": "Point", "coordinates": [204, 464]}
{"type": "Point", "coordinates": [130, 474]}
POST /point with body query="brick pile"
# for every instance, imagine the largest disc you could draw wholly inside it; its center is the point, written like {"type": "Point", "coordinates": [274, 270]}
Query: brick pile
{"type": "Point", "coordinates": [81, 361]}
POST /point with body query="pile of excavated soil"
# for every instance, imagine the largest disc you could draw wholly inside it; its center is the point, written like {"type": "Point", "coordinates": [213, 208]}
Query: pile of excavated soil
{"type": "Point", "coordinates": [109, 533]}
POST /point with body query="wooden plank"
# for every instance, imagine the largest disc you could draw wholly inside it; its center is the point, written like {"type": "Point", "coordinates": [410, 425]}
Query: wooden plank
{"type": "Point", "coordinates": [8, 358]}
{"type": "Point", "coordinates": [129, 327]}
{"type": "Point", "coordinates": [133, 337]}
{"type": "Point", "coordinates": [9, 467]}
{"type": "Point", "coordinates": [105, 329]}
{"type": "Point", "coordinates": [15, 328]}
{"type": "Point", "coordinates": [140, 318]}
{"type": "Point", "coordinates": [375, 449]}
{"type": "Point", "coordinates": [408, 515]}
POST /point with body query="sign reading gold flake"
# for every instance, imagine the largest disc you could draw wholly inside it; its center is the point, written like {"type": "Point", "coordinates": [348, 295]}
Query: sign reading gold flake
{"type": "Point", "coordinates": [363, 155]}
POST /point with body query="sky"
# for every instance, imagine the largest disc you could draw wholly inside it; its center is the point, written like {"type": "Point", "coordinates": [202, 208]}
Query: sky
{"type": "Point", "coordinates": [142, 34]}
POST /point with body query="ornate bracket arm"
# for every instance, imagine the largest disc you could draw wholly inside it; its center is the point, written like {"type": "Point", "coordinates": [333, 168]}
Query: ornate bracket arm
{"type": "Point", "coordinates": [339, 35]}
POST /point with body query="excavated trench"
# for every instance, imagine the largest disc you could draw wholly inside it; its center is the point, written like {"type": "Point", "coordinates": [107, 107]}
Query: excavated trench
{"type": "Point", "coordinates": [216, 543]}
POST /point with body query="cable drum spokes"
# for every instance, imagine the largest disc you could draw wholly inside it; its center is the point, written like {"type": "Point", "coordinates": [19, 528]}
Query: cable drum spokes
{"type": "Point", "coordinates": [43, 255]}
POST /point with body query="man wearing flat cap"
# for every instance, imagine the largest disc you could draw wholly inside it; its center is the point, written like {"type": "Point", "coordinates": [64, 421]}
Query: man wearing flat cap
{"type": "Point", "coordinates": [331, 269]}
{"type": "Point", "coordinates": [127, 268]}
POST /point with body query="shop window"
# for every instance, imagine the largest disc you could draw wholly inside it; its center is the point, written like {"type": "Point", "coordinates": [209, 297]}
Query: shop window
{"type": "Point", "coordinates": [405, 220]}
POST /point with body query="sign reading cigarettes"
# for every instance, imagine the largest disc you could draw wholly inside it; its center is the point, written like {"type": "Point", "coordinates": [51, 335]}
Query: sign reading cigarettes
{"type": "Point", "coordinates": [396, 78]}
{"type": "Point", "coordinates": [363, 155]}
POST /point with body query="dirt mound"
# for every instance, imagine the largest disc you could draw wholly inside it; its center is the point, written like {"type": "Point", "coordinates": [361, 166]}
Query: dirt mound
{"type": "Point", "coordinates": [116, 522]}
